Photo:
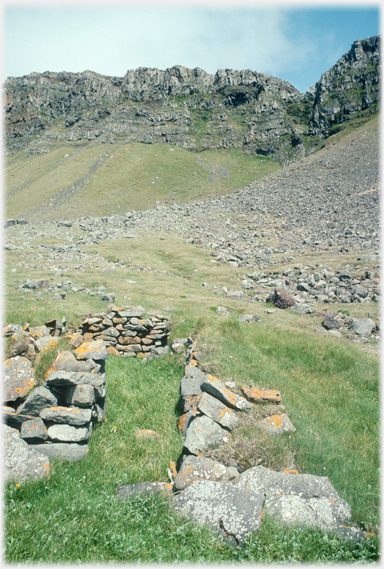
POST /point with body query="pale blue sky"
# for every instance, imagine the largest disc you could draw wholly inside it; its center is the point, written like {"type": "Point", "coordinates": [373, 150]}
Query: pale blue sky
{"type": "Point", "coordinates": [294, 42]}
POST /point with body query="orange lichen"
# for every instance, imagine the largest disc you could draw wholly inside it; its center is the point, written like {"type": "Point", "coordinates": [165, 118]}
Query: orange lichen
{"type": "Point", "coordinates": [293, 472]}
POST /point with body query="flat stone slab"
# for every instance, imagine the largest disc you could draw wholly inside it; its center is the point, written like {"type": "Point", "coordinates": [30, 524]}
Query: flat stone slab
{"type": "Point", "coordinates": [297, 498]}
{"type": "Point", "coordinates": [260, 395]}
{"type": "Point", "coordinates": [217, 411]}
{"type": "Point", "coordinates": [95, 350]}
{"type": "Point", "coordinates": [34, 431]}
{"type": "Point", "coordinates": [69, 434]}
{"type": "Point", "coordinates": [276, 425]}
{"type": "Point", "coordinates": [69, 415]}
{"type": "Point", "coordinates": [69, 452]}
{"type": "Point", "coordinates": [191, 383]}
{"type": "Point", "coordinates": [200, 468]}
{"type": "Point", "coordinates": [125, 492]}
{"type": "Point", "coordinates": [20, 461]}
{"type": "Point", "coordinates": [216, 388]}
{"type": "Point", "coordinates": [38, 399]}
{"type": "Point", "coordinates": [19, 378]}
{"type": "Point", "coordinates": [74, 378]}
{"type": "Point", "coordinates": [203, 433]}
{"type": "Point", "coordinates": [233, 512]}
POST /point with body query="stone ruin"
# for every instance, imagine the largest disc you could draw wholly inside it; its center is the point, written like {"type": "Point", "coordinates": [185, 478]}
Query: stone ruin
{"type": "Point", "coordinates": [56, 418]}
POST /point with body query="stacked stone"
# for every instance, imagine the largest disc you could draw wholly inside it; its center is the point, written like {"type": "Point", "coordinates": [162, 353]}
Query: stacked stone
{"type": "Point", "coordinates": [230, 502]}
{"type": "Point", "coordinates": [129, 332]}
{"type": "Point", "coordinates": [31, 341]}
{"type": "Point", "coordinates": [56, 419]}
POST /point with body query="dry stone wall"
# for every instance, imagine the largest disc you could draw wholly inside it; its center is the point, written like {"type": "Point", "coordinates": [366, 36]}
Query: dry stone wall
{"type": "Point", "coordinates": [129, 332]}
{"type": "Point", "coordinates": [56, 418]}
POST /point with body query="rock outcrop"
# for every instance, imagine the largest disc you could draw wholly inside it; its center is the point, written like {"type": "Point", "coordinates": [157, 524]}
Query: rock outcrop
{"type": "Point", "coordinates": [190, 108]}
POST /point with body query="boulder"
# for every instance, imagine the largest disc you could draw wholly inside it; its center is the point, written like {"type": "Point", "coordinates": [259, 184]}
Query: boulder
{"type": "Point", "coordinates": [332, 320]}
{"type": "Point", "coordinates": [302, 308]}
{"type": "Point", "coordinates": [281, 299]}
{"type": "Point", "coordinates": [74, 378]}
{"type": "Point", "coordinates": [297, 498]}
{"type": "Point", "coordinates": [20, 461]}
{"type": "Point", "coordinates": [94, 350]}
{"type": "Point", "coordinates": [234, 512]}
{"type": "Point", "coordinates": [191, 383]}
{"type": "Point", "coordinates": [82, 395]}
{"type": "Point", "coordinates": [222, 311]}
{"type": "Point", "coordinates": [363, 326]}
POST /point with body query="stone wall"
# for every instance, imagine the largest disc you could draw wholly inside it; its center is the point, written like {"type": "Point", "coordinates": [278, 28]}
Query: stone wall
{"type": "Point", "coordinates": [129, 332]}
{"type": "Point", "coordinates": [57, 417]}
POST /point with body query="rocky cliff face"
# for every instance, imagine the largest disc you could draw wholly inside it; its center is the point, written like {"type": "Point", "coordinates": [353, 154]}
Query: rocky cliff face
{"type": "Point", "coordinates": [190, 108]}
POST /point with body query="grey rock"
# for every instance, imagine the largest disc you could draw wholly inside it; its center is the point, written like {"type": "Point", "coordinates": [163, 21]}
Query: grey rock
{"type": "Point", "coordinates": [301, 308]}
{"type": "Point", "coordinates": [217, 411]}
{"type": "Point", "coordinates": [363, 326]}
{"type": "Point", "coordinates": [234, 512]}
{"type": "Point", "coordinates": [74, 378]}
{"type": "Point", "coordinates": [297, 498]}
{"type": "Point", "coordinates": [20, 461]}
{"type": "Point", "coordinates": [38, 399]}
{"type": "Point", "coordinates": [222, 311]}
{"type": "Point", "coordinates": [252, 318]}
{"type": "Point", "coordinates": [69, 434]}
{"type": "Point", "coordinates": [191, 382]}
{"type": "Point", "coordinates": [235, 294]}
{"type": "Point", "coordinates": [18, 378]}
{"type": "Point", "coordinates": [68, 452]}
{"type": "Point", "coordinates": [34, 431]}
{"type": "Point", "coordinates": [216, 388]}
{"type": "Point", "coordinates": [82, 395]}
{"type": "Point", "coordinates": [202, 434]}
{"type": "Point", "coordinates": [69, 415]}
{"type": "Point", "coordinates": [200, 468]}
{"type": "Point", "coordinates": [276, 425]}
{"type": "Point", "coordinates": [332, 320]}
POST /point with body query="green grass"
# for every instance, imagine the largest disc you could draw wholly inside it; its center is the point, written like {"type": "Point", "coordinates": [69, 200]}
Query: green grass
{"type": "Point", "coordinates": [134, 177]}
{"type": "Point", "coordinates": [74, 515]}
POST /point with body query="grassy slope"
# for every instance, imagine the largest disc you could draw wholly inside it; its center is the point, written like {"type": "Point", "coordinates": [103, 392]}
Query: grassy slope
{"type": "Point", "coordinates": [131, 177]}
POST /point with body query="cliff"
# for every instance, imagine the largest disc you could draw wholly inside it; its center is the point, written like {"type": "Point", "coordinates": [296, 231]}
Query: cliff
{"type": "Point", "coordinates": [190, 108]}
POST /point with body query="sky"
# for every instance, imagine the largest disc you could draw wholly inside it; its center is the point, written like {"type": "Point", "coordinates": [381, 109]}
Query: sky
{"type": "Point", "coordinates": [296, 42]}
